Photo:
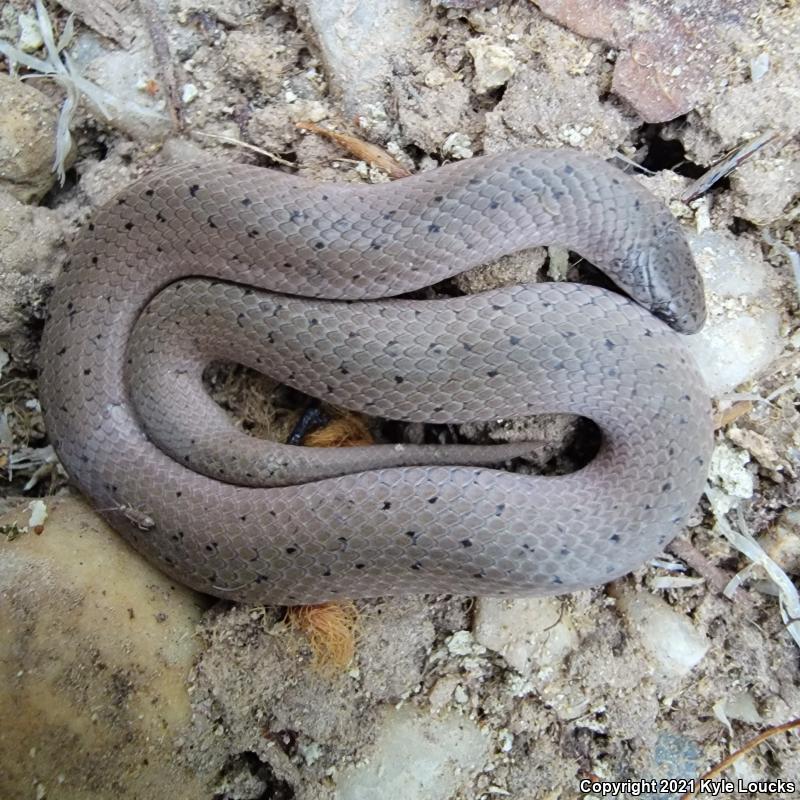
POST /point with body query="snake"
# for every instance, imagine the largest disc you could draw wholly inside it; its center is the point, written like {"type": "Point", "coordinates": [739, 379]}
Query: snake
{"type": "Point", "coordinates": [309, 283]}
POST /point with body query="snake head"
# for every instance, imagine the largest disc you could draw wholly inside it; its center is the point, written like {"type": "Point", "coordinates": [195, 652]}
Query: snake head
{"type": "Point", "coordinates": [665, 280]}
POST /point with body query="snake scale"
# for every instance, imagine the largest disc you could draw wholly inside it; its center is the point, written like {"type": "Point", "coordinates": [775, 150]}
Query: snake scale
{"type": "Point", "coordinates": [207, 261]}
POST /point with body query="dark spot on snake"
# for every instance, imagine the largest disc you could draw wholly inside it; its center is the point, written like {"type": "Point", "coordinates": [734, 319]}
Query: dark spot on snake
{"type": "Point", "coordinates": [432, 500]}
{"type": "Point", "coordinates": [319, 245]}
{"type": "Point", "coordinates": [160, 217]}
{"type": "Point", "coordinates": [494, 204]}
{"type": "Point", "coordinates": [474, 181]}
{"type": "Point", "coordinates": [467, 347]}
{"type": "Point", "coordinates": [169, 561]}
{"type": "Point", "coordinates": [149, 193]}
{"type": "Point", "coordinates": [557, 580]}
{"type": "Point", "coordinates": [120, 201]}
{"type": "Point", "coordinates": [64, 350]}
{"type": "Point", "coordinates": [389, 214]}
{"type": "Point", "coordinates": [438, 409]}
{"type": "Point", "coordinates": [413, 535]}
{"type": "Point", "coordinates": [466, 543]}
{"type": "Point", "coordinates": [514, 340]}
{"type": "Point", "coordinates": [296, 215]}
{"type": "Point", "coordinates": [178, 494]}
{"type": "Point", "coordinates": [344, 370]}
{"type": "Point", "coordinates": [324, 197]}
{"type": "Point", "coordinates": [87, 371]}
{"type": "Point", "coordinates": [416, 566]}
{"type": "Point", "coordinates": [492, 373]}
{"type": "Point", "coordinates": [700, 461]}
{"type": "Point", "coordinates": [360, 566]}
{"type": "Point", "coordinates": [239, 318]}
{"type": "Point", "coordinates": [666, 487]}
{"type": "Point", "coordinates": [660, 366]}
{"type": "Point", "coordinates": [609, 344]}
{"type": "Point", "coordinates": [499, 509]}
{"type": "Point", "coordinates": [516, 198]}
{"type": "Point", "coordinates": [246, 201]}
{"type": "Point", "coordinates": [262, 579]}
{"type": "Point", "coordinates": [481, 574]}
{"type": "Point", "coordinates": [386, 505]}
{"type": "Point", "coordinates": [637, 203]}
{"type": "Point", "coordinates": [557, 194]}
{"type": "Point", "coordinates": [398, 379]}
{"type": "Point", "coordinates": [648, 332]}
{"type": "Point", "coordinates": [433, 228]}
{"type": "Point", "coordinates": [648, 507]}
{"type": "Point", "coordinates": [568, 170]}
{"type": "Point", "coordinates": [252, 233]}
{"type": "Point", "coordinates": [91, 226]}
{"type": "Point", "coordinates": [671, 451]}
{"type": "Point", "coordinates": [564, 551]}
{"type": "Point", "coordinates": [194, 189]}
{"type": "Point", "coordinates": [329, 388]}
{"type": "Point", "coordinates": [528, 548]}
{"type": "Point", "coordinates": [614, 538]}
{"type": "Point", "coordinates": [85, 459]}
{"type": "Point", "coordinates": [210, 221]}
{"type": "Point", "coordinates": [314, 321]}
{"type": "Point", "coordinates": [327, 572]}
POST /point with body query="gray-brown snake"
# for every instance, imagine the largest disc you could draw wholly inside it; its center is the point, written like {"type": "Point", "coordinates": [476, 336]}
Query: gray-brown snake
{"type": "Point", "coordinates": [188, 252]}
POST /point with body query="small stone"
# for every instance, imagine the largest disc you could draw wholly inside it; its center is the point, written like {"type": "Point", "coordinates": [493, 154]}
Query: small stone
{"type": "Point", "coordinates": [28, 128]}
{"type": "Point", "coordinates": [759, 67]}
{"type": "Point", "coordinates": [669, 637]}
{"type": "Point", "coordinates": [189, 93]}
{"type": "Point", "coordinates": [30, 36]}
{"type": "Point", "coordinates": [529, 633]}
{"type": "Point", "coordinates": [742, 334]}
{"type": "Point", "coordinates": [457, 145]}
{"type": "Point", "coordinates": [495, 64]}
{"type": "Point", "coordinates": [417, 757]}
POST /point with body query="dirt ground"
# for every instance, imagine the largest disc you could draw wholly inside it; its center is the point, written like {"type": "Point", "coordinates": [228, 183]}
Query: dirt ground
{"type": "Point", "coordinates": [659, 675]}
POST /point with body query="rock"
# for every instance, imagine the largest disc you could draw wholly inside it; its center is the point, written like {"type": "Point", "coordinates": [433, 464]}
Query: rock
{"type": "Point", "coordinates": [494, 64]}
{"type": "Point", "coordinates": [531, 634]}
{"type": "Point", "coordinates": [120, 73]}
{"type": "Point", "coordinates": [782, 541]}
{"type": "Point", "coordinates": [742, 334]}
{"type": "Point", "coordinates": [729, 476]}
{"type": "Point", "coordinates": [259, 60]}
{"type": "Point", "coordinates": [668, 636]}
{"type": "Point", "coordinates": [510, 270]}
{"type": "Point", "coordinates": [417, 757]}
{"type": "Point", "coordinates": [29, 238]}
{"type": "Point", "coordinates": [660, 70]}
{"type": "Point", "coordinates": [27, 140]}
{"type": "Point", "coordinates": [97, 645]}
{"type": "Point", "coordinates": [764, 187]}
{"type": "Point", "coordinates": [438, 119]}
{"type": "Point", "coordinates": [358, 40]}
{"type": "Point", "coordinates": [534, 101]}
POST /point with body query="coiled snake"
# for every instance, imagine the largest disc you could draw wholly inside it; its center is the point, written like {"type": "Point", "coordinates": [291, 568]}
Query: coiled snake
{"type": "Point", "coordinates": [210, 261]}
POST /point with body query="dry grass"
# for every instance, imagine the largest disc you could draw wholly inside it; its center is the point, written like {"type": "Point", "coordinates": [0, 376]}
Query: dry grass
{"type": "Point", "coordinates": [331, 630]}
{"type": "Point", "coordinates": [345, 431]}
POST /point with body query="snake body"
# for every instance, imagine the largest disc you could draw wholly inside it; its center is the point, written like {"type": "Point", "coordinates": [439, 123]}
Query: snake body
{"type": "Point", "coordinates": [208, 261]}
